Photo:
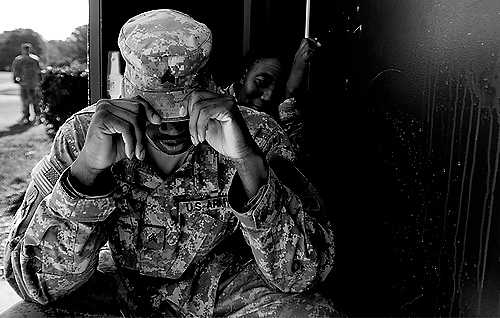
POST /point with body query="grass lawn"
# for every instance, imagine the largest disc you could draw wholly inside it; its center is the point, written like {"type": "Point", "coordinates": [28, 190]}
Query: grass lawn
{"type": "Point", "coordinates": [18, 155]}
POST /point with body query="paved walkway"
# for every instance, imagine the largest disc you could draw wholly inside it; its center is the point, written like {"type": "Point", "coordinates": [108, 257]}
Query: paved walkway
{"type": "Point", "coordinates": [10, 112]}
{"type": "Point", "coordinates": [10, 101]}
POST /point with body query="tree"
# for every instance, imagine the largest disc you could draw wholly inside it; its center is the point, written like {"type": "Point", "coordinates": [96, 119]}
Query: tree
{"type": "Point", "coordinates": [58, 53]}
{"type": "Point", "coordinates": [77, 42]}
{"type": "Point", "coordinates": [69, 51]}
{"type": "Point", "coordinates": [10, 45]}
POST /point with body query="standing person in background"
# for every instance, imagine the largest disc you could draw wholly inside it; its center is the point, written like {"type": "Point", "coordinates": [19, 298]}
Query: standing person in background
{"type": "Point", "coordinates": [26, 72]}
{"type": "Point", "coordinates": [263, 87]}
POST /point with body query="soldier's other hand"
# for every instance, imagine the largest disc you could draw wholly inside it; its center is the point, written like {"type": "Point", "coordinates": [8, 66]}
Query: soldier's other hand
{"type": "Point", "coordinates": [303, 56]}
{"type": "Point", "coordinates": [116, 131]}
{"type": "Point", "coordinates": [217, 119]}
{"type": "Point", "coordinates": [305, 52]}
{"type": "Point", "coordinates": [17, 80]}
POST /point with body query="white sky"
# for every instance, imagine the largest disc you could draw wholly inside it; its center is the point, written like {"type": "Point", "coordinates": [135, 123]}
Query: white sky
{"type": "Point", "coordinates": [52, 19]}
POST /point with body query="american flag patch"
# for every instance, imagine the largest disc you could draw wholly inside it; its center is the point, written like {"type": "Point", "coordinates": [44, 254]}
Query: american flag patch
{"type": "Point", "coordinates": [45, 175]}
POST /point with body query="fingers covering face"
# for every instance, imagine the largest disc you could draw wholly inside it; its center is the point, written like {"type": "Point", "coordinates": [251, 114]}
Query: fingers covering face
{"type": "Point", "coordinates": [135, 104]}
{"type": "Point", "coordinates": [206, 106]}
{"type": "Point", "coordinates": [127, 117]}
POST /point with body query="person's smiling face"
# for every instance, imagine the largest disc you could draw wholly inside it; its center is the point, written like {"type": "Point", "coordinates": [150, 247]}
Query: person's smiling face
{"type": "Point", "coordinates": [261, 84]}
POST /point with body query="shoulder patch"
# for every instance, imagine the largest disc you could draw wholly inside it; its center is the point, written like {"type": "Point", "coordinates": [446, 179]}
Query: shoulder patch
{"type": "Point", "coordinates": [45, 175]}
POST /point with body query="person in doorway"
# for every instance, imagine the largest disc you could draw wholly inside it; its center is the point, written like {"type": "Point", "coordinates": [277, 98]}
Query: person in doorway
{"type": "Point", "coordinates": [263, 86]}
{"type": "Point", "coordinates": [198, 198]}
{"type": "Point", "coordinates": [26, 72]}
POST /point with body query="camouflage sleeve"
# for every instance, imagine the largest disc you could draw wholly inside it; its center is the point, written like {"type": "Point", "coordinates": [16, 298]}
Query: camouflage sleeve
{"type": "Point", "coordinates": [53, 244]}
{"type": "Point", "coordinates": [292, 122]}
{"type": "Point", "coordinates": [291, 240]}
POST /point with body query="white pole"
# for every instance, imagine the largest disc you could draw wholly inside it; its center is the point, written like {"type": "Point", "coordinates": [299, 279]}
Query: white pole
{"type": "Point", "coordinates": [308, 12]}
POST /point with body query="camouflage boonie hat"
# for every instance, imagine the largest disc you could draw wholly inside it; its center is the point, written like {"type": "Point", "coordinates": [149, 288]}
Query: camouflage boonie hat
{"type": "Point", "coordinates": [164, 50]}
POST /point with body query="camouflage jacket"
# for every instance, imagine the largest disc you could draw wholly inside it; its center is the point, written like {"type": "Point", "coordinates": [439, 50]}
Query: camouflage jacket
{"type": "Point", "coordinates": [289, 118]}
{"type": "Point", "coordinates": [27, 68]}
{"type": "Point", "coordinates": [179, 229]}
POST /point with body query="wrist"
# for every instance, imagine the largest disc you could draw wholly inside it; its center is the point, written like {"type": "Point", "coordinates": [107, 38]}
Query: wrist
{"type": "Point", "coordinates": [248, 152]}
{"type": "Point", "coordinates": [83, 173]}
{"type": "Point", "coordinates": [293, 84]}
{"type": "Point", "coordinates": [250, 156]}
{"type": "Point", "coordinates": [298, 68]}
{"type": "Point", "coordinates": [252, 170]}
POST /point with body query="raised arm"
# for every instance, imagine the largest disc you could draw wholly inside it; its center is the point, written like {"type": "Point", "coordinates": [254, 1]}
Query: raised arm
{"type": "Point", "coordinates": [289, 113]}
{"type": "Point", "coordinates": [53, 244]}
{"type": "Point", "coordinates": [284, 223]}
{"type": "Point", "coordinates": [279, 211]}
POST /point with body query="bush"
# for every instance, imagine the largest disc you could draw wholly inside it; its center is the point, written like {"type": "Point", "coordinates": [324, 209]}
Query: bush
{"type": "Point", "coordinates": [64, 92]}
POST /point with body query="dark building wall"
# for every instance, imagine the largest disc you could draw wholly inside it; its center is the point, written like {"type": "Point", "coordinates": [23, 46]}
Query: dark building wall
{"type": "Point", "coordinates": [433, 126]}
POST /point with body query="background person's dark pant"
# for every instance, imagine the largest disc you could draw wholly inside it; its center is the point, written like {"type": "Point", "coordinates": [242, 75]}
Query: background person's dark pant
{"type": "Point", "coordinates": [30, 95]}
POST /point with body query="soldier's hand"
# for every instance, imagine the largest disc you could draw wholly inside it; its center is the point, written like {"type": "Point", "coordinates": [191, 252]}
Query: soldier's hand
{"type": "Point", "coordinates": [216, 119]}
{"type": "Point", "coordinates": [116, 131]}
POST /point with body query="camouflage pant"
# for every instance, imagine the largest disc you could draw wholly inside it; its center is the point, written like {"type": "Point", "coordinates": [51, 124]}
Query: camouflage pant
{"type": "Point", "coordinates": [243, 294]}
{"type": "Point", "coordinates": [30, 95]}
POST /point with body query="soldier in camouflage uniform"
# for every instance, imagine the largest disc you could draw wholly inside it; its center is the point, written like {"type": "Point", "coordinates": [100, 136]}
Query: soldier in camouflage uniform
{"type": "Point", "coordinates": [26, 72]}
{"type": "Point", "coordinates": [203, 211]}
